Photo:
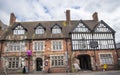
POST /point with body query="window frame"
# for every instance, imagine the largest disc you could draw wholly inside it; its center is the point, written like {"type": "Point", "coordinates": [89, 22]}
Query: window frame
{"type": "Point", "coordinates": [106, 60]}
{"type": "Point", "coordinates": [13, 64]}
{"type": "Point", "coordinates": [56, 29]}
{"type": "Point", "coordinates": [39, 30]}
{"type": "Point", "coordinates": [39, 44]}
{"type": "Point", "coordinates": [57, 60]}
{"type": "Point", "coordinates": [57, 45]}
{"type": "Point", "coordinates": [18, 46]}
{"type": "Point", "coordinates": [19, 30]}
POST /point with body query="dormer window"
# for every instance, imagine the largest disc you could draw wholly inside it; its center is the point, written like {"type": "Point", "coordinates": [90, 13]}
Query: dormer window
{"type": "Point", "coordinates": [19, 30]}
{"type": "Point", "coordinates": [39, 30]}
{"type": "Point", "coordinates": [56, 29]}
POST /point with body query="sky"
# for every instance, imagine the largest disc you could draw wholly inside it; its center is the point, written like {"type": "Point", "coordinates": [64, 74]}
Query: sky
{"type": "Point", "coordinates": [48, 10]}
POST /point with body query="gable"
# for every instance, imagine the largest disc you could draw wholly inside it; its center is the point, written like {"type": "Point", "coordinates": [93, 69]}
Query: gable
{"type": "Point", "coordinates": [81, 28]}
{"type": "Point", "coordinates": [56, 29]}
{"type": "Point", "coordinates": [103, 27]}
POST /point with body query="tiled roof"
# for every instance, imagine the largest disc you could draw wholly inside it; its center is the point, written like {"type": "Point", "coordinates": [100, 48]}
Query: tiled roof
{"type": "Point", "coordinates": [29, 26]}
{"type": "Point", "coordinates": [3, 27]}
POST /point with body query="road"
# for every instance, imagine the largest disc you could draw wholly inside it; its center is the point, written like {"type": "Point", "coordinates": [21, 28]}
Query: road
{"type": "Point", "coordinates": [80, 73]}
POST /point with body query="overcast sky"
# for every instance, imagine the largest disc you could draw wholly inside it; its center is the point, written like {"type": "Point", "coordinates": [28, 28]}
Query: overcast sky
{"type": "Point", "coordinates": [44, 10]}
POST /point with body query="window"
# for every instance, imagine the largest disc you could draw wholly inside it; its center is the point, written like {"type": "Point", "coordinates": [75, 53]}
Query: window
{"type": "Point", "coordinates": [106, 59]}
{"type": "Point", "coordinates": [56, 29]}
{"type": "Point", "coordinates": [15, 46]}
{"type": "Point", "coordinates": [39, 45]}
{"type": "Point", "coordinates": [79, 44]}
{"type": "Point", "coordinates": [19, 30]}
{"type": "Point", "coordinates": [106, 44]}
{"type": "Point", "coordinates": [57, 45]}
{"type": "Point", "coordinates": [39, 30]}
{"type": "Point", "coordinates": [102, 28]}
{"type": "Point", "coordinates": [57, 61]}
{"type": "Point", "coordinates": [81, 28]}
{"type": "Point", "coordinates": [13, 62]}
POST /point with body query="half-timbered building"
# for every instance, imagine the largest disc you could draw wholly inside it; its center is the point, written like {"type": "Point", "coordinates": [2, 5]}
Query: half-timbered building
{"type": "Point", "coordinates": [56, 45]}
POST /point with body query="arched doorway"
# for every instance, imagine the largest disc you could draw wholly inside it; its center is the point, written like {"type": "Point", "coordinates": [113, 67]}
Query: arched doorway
{"type": "Point", "coordinates": [39, 64]}
{"type": "Point", "coordinates": [85, 62]}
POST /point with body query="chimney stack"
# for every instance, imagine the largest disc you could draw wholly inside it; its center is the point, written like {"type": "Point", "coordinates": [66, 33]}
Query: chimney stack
{"type": "Point", "coordinates": [12, 18]}
{"type": "Point", "coordinates": [95, 16]}
{"type": "Point", "coordinates": [68, 16]}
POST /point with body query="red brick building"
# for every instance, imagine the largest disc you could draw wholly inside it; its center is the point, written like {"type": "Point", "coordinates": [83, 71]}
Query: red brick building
{"type": "Point", "coordinates": [57, 44]}
{"type": "Point", "coordinates": [118, 52]}
{"type": "Point", "coordinates": [3, 27]}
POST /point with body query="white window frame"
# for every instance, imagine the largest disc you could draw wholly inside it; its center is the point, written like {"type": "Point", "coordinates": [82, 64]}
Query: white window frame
{"type": "Point", "coordinates": [19, 30]}
{"type": "Point", "coordinates": [56, 30]}
{"type": "Point", "coordinates": [106, 60]}
{"type": "Point", "coordinates": [38, 46]}
{"type": "Point", "coordinates": [57, 45]}
{"type": "Point", "coordinates": [102, 28]}
{"type": "Point", "coordinates": [15, 46]}
{"type": "Point", "coordinates": [57, 60]}
{"type": "Point", "coordinates": [13, 63]}
{"type": "Point", "coordinates": [39, 30]}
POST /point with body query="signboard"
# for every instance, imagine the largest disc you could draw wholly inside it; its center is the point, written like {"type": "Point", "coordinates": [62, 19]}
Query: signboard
{"type": "Point", "coordinates": [93, 44]}
{"type": "Point", "coordinates": [29, 52]}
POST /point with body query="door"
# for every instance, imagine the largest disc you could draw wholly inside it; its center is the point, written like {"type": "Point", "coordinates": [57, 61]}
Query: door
{"type": "Point", "coordinates": [85, 62]}
{"type": "Point", "coordinates": [39, 64]}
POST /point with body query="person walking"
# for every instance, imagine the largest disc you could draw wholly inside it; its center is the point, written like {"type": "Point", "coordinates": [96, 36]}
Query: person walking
{"type": "Point", "coordinates": [76, 66]}
{"type": "Point", "coordinates": [104, 67]}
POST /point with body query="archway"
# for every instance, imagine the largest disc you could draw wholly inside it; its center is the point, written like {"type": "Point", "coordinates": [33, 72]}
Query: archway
{"type": "Point", "coordinates": [85, 62]}
{"type": "Point", "coordinates": [39, 64]}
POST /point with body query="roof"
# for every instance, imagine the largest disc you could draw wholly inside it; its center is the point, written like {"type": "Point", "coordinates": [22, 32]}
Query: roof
{"type": "Point", "coordinates": [3, 27]}
{"type": "Point", "coordinates": [29, 26]}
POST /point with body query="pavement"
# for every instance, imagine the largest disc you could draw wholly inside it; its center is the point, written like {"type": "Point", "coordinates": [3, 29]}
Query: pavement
{"type": "Point", "coordinates": [78, 73]}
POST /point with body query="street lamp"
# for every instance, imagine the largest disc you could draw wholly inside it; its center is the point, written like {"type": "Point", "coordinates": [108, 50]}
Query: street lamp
{"type": "Point", "coordinates": [29, 53]}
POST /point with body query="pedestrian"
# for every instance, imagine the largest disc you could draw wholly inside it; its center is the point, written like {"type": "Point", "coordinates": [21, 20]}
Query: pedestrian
{"type": "Point", "coordinates": [104, 67]}
{"type": "Point", "coordinates": [76, 66]}
{"type": "Point", "coordinates": [24, 70]}
{"type": "Point", "coordinates": [49, 70]}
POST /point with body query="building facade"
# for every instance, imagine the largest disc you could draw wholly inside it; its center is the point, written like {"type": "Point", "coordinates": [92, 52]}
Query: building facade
{"type": "Point", "coordinates": [118, 52]}
{"type": "Point", "coordinates": [3, 28]}
{"type": "Point", "coordinates": [57, 45]}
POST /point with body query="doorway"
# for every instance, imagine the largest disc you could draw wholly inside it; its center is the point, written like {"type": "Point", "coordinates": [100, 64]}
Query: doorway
{"type": "Point", "coordinates": [39, 64]}
{"type": "Point", "coordinates": [85, 62]}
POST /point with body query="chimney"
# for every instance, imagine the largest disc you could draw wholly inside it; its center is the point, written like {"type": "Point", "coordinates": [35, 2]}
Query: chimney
{"type": "Point", "coordinates": [95, 16]}
{"type": "Point", "coordinates": [68, 16]}
{"type": "Point", "coordinates": [12, 18]}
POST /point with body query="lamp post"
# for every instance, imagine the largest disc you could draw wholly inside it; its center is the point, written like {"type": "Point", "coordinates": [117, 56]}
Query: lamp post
{"type": "Point", "coordinates": [29, 53]}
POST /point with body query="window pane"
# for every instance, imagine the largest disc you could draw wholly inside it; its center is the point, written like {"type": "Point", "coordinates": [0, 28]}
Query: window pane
{"type": "Point", "coordinates": [106, 59]}
{"type": "Point", "coordinates": [57, 61]}
{"type": "Point", "coordinates": [57, 45]}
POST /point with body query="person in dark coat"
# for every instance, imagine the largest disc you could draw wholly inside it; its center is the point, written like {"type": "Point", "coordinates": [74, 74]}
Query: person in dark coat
{"type": "Point", "coordinates": [24, 70]}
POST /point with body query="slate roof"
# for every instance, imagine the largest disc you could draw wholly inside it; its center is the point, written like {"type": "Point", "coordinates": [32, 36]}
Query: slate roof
{"type": "Point", "coordinates": [30, 26]}
{"type": "Point", "coordinates": [3, 27]}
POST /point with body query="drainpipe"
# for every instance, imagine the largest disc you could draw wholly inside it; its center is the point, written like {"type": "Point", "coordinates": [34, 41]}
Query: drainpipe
{"type": "Point", "coordinates": [115, 49]}
{"type": "Point", "coordinates": [0, 55]}
{"type": "Point", "coordinates": [67, 64]}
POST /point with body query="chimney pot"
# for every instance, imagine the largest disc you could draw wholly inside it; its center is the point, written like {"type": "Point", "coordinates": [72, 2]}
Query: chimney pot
{"type": "Point", "coordinates": [95, 16]}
